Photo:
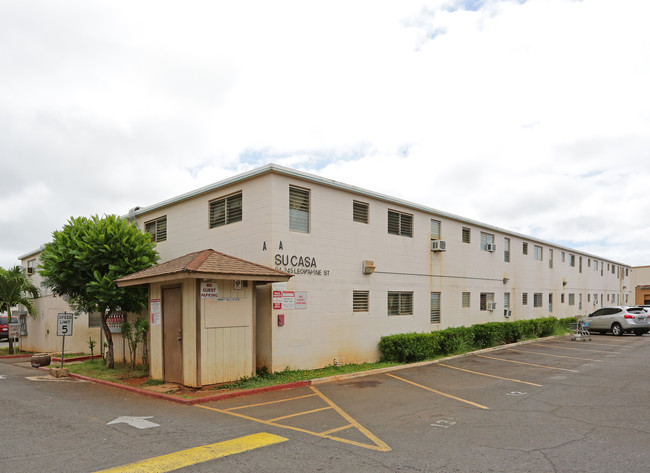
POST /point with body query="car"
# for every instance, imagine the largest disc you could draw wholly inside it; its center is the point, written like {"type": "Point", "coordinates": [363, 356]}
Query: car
{"type": "Point", "coordinates": [4, 326]}
{"type": "Point", "coordinates": [618, 320]}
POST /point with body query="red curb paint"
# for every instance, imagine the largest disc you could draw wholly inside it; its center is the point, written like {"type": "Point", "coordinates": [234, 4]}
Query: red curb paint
{"type": "Point", "coordinates": [15, 356]}
{"type": "Point", "coordinates": [79, 358]}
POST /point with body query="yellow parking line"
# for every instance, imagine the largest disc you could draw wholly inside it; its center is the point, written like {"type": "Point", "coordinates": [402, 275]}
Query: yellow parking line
{"type": "Point", "coordinates": [556, 356]}
{"type": "Point", "coordinates": [270, 402]}
{"type": "Point", "coordinates": [338, 429]}
{"type": "Point", "coordinates": [524, 363]}
{"type": "Point", "coordinates": [572, 348]}
{"type": "Point", "coordinates": [439, 392]}
{"type": "Point", "coordinates": [192, 456]}
{"type": "Point", "coordinates": [300, 414]}
{"type": "Point", "coordinates": [488, 375]}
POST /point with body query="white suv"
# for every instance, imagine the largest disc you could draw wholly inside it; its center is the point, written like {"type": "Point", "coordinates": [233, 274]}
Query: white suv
{"type": "Point", "coordinates": [618, 320]}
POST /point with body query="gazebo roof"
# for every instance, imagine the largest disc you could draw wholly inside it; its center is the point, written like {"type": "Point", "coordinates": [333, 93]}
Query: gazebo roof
{"type": "Point", "coordinates": [206, 264]}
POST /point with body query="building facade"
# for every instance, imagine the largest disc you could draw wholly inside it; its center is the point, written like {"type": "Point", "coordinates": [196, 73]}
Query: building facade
{"type": "Point", "coordinates": [366, 265]}
{"type": "Point", "coordinates": [641, 285]}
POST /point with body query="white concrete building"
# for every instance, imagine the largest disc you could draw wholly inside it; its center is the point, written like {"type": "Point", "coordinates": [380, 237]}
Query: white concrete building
{"type": "Point", "coordinates": [366, 265]}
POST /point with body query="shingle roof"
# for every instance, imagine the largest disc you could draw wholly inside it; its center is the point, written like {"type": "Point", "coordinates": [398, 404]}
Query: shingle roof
{"type": "Point", "coordinates": [204, 264]}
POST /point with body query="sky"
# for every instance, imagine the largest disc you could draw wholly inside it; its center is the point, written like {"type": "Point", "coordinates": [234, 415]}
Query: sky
{"type": "Point", "coordinates": [533, 116]}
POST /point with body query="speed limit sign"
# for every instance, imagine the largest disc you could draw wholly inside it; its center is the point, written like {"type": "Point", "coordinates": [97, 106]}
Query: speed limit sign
{"type": "Point", "coordinates": [64, 325]}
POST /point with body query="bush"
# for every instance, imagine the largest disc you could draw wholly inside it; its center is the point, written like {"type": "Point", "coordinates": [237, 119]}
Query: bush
{"type": "Point", "coordinates": [411, 347]}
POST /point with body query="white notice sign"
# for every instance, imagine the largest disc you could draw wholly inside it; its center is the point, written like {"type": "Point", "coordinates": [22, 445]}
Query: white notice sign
{"type": "Point", "coordinates": [288, 299]}
{"type": "Point", "coordinates": [155, 312]}
{"type": "Point", "coordinates": [301, 300]}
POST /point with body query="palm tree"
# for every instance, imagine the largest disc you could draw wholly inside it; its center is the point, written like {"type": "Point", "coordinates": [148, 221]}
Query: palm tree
{"type": "Point", "coordinates": [16, 289]}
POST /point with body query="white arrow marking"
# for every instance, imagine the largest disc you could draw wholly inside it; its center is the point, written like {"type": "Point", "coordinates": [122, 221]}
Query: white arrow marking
{"type": "Point", "coordinates": [138, 422]}
{"type": "Point", "coordinates": [2, 376]}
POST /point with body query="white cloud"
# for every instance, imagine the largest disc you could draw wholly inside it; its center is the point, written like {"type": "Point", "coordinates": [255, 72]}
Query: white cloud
{"type": "Point", "coordinates": [533, 116]}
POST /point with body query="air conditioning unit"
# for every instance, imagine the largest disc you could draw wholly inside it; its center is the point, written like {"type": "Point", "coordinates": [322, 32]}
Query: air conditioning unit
{"type": "Point", "coordinates": [491, 306]}
{"type": "Point", "coordinates": [438, 245]}
{"type": "Point", "coordinates": [507, 313]}
{"type": "Point", "coordinates": [490, 247]}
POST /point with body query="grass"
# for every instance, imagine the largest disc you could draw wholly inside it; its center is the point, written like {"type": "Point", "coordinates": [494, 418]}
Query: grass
{"type": "Point", "coordinates": [97, 369]}
{"type": "Point", "coordinates": [5, 352]}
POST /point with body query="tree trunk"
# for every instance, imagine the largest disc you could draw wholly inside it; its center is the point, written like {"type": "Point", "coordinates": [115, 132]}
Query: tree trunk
{"type": "Point", "coordinates": [110, 359]}
{"type": "Point", "coordinates": [11, 340]}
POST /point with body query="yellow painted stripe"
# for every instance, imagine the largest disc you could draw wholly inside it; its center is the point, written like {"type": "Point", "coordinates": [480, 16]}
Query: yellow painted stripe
{"type": "Point", "coordinates": [192, 456]}
{"type": "Point", "coordinates": [489, 375]}
{"type": "Point", "coordinates": [556, 356]}
{"type": "Point", "coordinates": [300, 414]}
{"type": "Point", "coordinates": [528, 364]}
{"type": "Point", "coordinates": [572, 348]}
{"type": "Point", "coordinates": [439, 392]}
{"type": "Point", "coordinates": [338, 429]}
{"type": "Point", "coordinates": [270, 402]}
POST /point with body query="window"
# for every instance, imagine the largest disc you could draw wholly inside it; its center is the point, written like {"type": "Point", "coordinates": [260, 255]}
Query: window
{"type": "Point", "coordinates": [226, 210]}
{"type": "Point", "coordinates": [486, 239]}
{"type": "Point", "coordinates": [561, 298]}
{"type": "Point", "coordinates": [595, 265]}
{"type": "Point", "coordinates": [613, 269]}
{"type": "Point", "coordinates": [466, 235]}
{"type": "Point", "coordinates": [31, 266]}
{"type": "Point", "coordinates": [487, 298]}
{"type": "Point", "coordinates": [539, 252]}
{"type": "Point", "coordinates": [360, 301]}
{"type": "Point", "coordinates": [465, 300]}
{"type": "Point", "coordinates": [23, 324]}
{"type": "Point", "coordinates": [550, 303]}
{"type": "Point", "coordinates": [579, 301]}
{"type": "Point", "coordinates": [550, 258]}
{"type": "Point", "coordinates": [562, 256]}
{"type": "Point", "coordinates": [435, 229]}
{"type": "Point", "coordinates": [506, 303]}
{"type": "Point", "coordinates": [524, 298]}
{"type": "Point", "coordinates": [627, 272]}
{"type": "Point", "coordinates": [572, 260]}
{"type": "Point", "coordinates": [298, 209]}
{"type": "Point", "coordinates": [157, 229]}
{"type": "Point", "coordinates": [580, 264]}
{"type": "Point", "coordinates": [400, 303]}
{"type": "Point", "coordinates": [588, 262]}
{"type": "Point", "coordinates": [572, 299]}
{"type": "Point", "coordinates": [506, 250]}
{"type": "Point", "coordinates": [524, 248]}
{"type": "Point", "coordinates": [400, 223]}
{"type": "Point", "coordinates": [537, 299]}
{"type": "Point", "coordinates": [94, 319]}
{"type": "Point", "coordinates": [435, 307]}
{"type": "Point", "coordinates": [360, 212]}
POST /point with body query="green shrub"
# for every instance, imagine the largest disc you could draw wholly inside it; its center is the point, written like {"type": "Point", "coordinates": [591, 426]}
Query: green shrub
{"type": "Point", "coordinates": [489, 335]}
{"type": "Point", "coordinates": [456, 340]}
{"type": "Point", "coordinates": [408, 347]}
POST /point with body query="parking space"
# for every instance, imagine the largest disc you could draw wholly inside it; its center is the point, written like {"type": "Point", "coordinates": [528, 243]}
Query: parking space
{"type": "Point", "coordinates": [521, 404]}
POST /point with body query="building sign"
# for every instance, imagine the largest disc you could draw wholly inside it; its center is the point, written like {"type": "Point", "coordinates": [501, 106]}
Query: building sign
{"type": "Point", "coordinates": [288, 299]}
{"type": "Point", "coordinates": [297, 264]}
{"type": "Point", "coordinates": [155, 312]}
{"type": "Point", "coordinates": [301, 300]}
{"type": "Point", "coordinates": [209, 290]}
{"type": "Point", "coordinates": [277, 300]}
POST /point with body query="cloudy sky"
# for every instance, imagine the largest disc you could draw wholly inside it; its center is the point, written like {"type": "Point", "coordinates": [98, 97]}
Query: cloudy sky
{"type": "Point", "coordinates": [530, 115]}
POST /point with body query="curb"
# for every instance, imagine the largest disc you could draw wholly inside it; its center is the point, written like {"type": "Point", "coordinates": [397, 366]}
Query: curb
{"type": "Point", "coordinates": [296, 384]}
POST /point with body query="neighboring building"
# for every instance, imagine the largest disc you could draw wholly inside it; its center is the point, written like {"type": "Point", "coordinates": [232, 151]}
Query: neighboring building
{"type": "Point", "coordinates": [641, 284]}
{"type": "Point", "coordinates": [367, 265]}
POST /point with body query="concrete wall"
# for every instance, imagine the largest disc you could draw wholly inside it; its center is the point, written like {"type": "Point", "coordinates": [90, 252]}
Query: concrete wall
{"type": "Point", "coordinates": [641, 284]}
{"type": "Point", "coordinates": [327, 263]}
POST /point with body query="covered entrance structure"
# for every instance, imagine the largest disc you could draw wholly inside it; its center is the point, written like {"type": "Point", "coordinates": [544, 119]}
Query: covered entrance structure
{"type": "Point", "coordinates": [203, 317]}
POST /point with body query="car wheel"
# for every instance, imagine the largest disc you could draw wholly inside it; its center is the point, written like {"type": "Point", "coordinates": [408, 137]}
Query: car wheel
{"type": "Point", "coordinates": [617, 329]}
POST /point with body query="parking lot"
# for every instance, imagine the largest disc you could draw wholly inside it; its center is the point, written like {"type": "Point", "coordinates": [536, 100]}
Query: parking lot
{"type": "Point", "coordinates": [550, 406]}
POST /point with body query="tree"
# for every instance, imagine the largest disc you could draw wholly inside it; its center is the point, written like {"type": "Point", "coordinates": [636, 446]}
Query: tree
{"type": "Point", "coordinates": [15, 289]}
{"type": "Point", "coordinates": [84, 259]}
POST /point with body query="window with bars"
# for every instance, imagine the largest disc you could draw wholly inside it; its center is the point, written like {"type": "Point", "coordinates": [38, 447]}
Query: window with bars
{"type": "Point", "coordinates": [298, 209]}
{"type": "Point", "coordinates": [400, 303]}
{"type": "Point", "coordinates": [435, 229]}
{"type": "Point", "coordinates": [466, 234]}
{"type": "Point", "coordinates": [435, 307]}
{"type": "Point", "coordinates": [400, 223]}
{"type": "Point", "coordinates": [360, 301]}
{"type": "Point", "coordinates": [537, 299]}
{"type": "Point", "coordinates": [524, 248]}
{"type": "Point", "coordinates": [524, 298]}
{"type": "Point", "coordinates": [157, 229]}
{"type": "Point", "coordinates": [538, 253]}
{"type": "Point", "coordinates": [506, 250]}
{"type": "Point", "coordinates": [360, 211]}
{"type": "Point", "coordinates": [226, 210]}
{"type": "Point", "coordinates": [465, 300]}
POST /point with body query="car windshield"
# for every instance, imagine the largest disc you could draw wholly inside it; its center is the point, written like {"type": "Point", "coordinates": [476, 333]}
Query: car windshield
{"type": "Point", "coordinates": [4, 320]}
{"type": "Point", "coordinates": [636, 310]}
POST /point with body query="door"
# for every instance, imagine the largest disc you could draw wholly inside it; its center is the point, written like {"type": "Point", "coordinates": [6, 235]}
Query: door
{"type": "Point", "coordinates": [172, 335]}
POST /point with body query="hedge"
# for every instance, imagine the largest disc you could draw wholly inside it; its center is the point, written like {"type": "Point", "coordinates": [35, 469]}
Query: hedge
{"type": "Point", "coordinates": [412, 347]}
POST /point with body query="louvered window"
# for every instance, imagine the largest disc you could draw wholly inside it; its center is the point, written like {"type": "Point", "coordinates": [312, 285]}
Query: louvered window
{"type": "Point", "coordinates": [435, 307]}
{"type": "Point", "coordinates": [157, 229]}
{"type": "Point", "coordinates": [506, 250]}
{"type": "Point", "coordinates": [524, 248]}
{"type": "Point", "coordinates": [466, 235]}
{"type": "Point", "coordinates": [524, 298]}
{"type": "Point", "coordinates": [400, 223]}
{"type": "Point", "coordinates": [465, 300]}
{"type": "Point", "coordinates": [360, 212]}
{"type": "Point", "coordinates": [435, 229]}
{"type": "Point", "coordinates": [360, 301]}
{"type": "Point", "coordinates": [537, 299]}
{"type": "Point", "coordinates": [226, 210]}
{"type": "Point", "coordinates": [298, 209]}
{"type": "Point", "coordinates": [400, 303]}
